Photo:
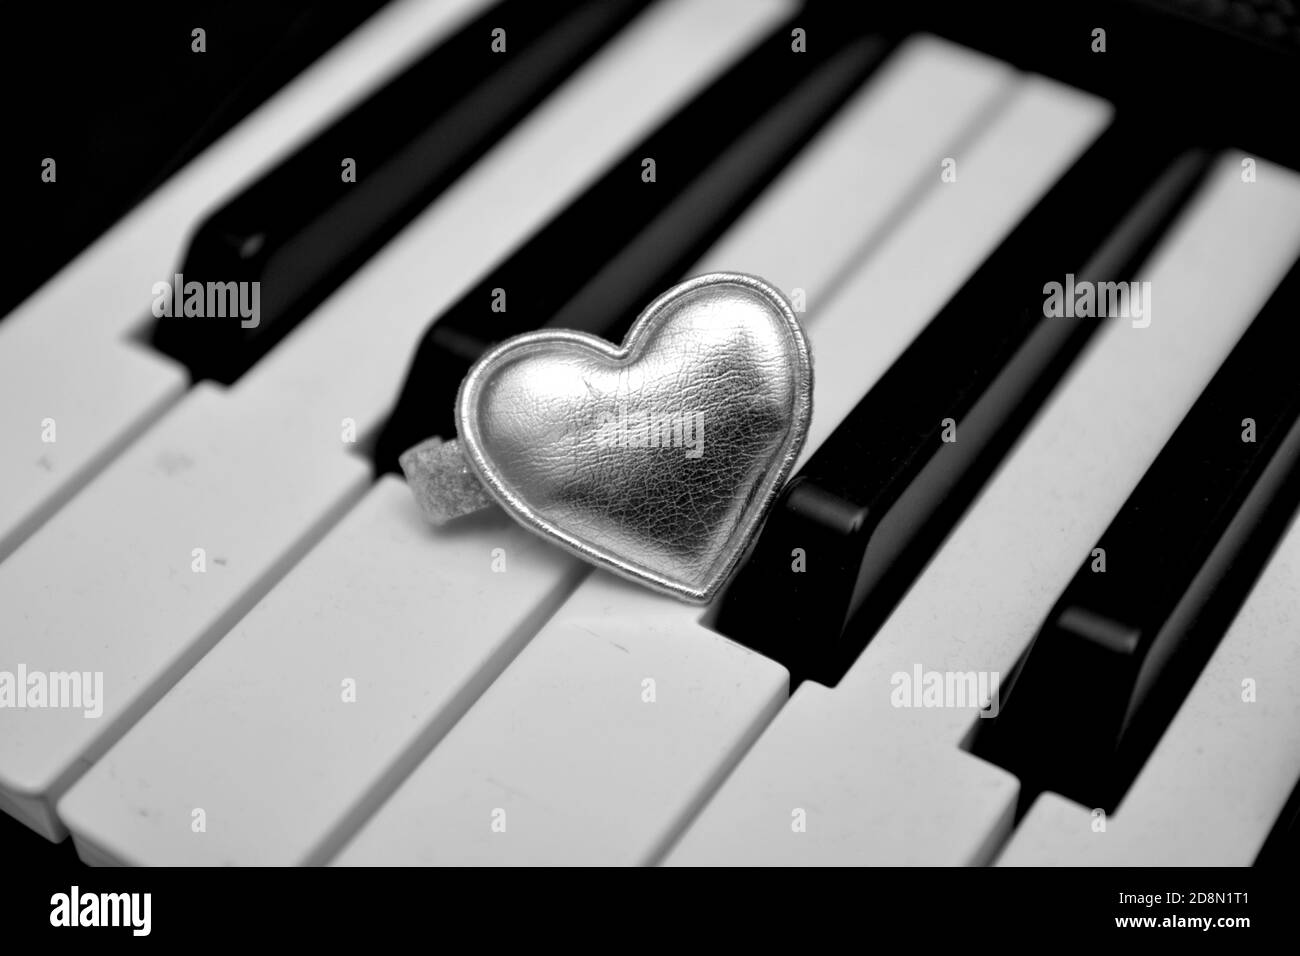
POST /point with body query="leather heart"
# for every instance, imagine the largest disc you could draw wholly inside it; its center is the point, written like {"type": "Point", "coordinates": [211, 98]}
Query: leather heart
{"type": "Point", "coordinates": [659, 459]}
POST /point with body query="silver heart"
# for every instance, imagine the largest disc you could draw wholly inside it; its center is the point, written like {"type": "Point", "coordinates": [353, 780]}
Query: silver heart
{"type": "Point", "coordinates": [559, 426]}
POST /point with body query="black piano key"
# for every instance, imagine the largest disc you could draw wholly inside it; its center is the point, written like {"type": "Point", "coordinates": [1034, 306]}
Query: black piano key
{"type": "Point", "coordinates": [872, 504]}
{"type": "Point", "coordinates": [122, 101]}
{"type": "Point", "coordinates": [615, 248]}
{"type": "Point", "coordinates": [1121, 648]}
{"type": "Point", "coordinates": [301, 230]}
{"type": "Point", "coordinates": [1282, 846]}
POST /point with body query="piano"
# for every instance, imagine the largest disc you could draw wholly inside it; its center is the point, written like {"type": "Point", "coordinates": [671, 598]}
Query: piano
{"type": "Point", "coordinates": [1030, 598]}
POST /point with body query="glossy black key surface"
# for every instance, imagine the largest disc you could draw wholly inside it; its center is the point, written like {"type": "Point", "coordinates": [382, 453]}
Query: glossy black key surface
{"type": "Point", "coordinates": [301, 229]}
{"type": "Point", "coordinates": [118, 97]}
{"type": "Point", "coordinates": [1121, 647]}
{"type": "Point", "coordinates": [614, 249]}
{"type": "Point", "coordinates": [872, 504]}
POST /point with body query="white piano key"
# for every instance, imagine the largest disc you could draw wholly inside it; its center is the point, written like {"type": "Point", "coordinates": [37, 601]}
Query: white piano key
{"type": "Point", "coordinates": [1220, 775]}
{"type": "Point", "coordinates": [367, 563]}
{"type": "Point", "coordinates": [890, 785]}
{"type": "Point", "coordinates": [595, 775]}
{"type": "Point", "coordinates": [584, 749]}
{"type": "Point", "coordinates": [61, 354]}
{"type": "Point", "coordinates": [1018, 155]}
{"type": "Point", "coordinates": [111, 584]}
{"type": "Point", "coordinates": [419, 622]}
{"type": "Point", "coordinates": [57, 433]}
{"type": "Point", "coordinates": [927, 99]}
{"type": "Point", "coordinates": [270, 470]}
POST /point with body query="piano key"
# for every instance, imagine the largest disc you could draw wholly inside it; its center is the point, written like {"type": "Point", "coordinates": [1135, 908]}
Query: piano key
{"type": "Point", "coordinates": [1220, 775]}
{"type": "Point", "coordinates": [102, 813]}
{"type": "Point", "coordinates": [301, 229]}
{"type": "Point", "coordinates": [105, 292]}
{"type": "Point", "coordinates": [61, 436]}
{"type": "Point", "coordinates": [295, 700]}
{"type": "Point", "coordinates": [711, 159]}
{"type": "Point", "coordinates": [137, 576]}
{"type": "Point", "coordinates": [1180, 556]}
{"type": "Point", "coordinates": [586, 754]}
{"type": "Point", "coordinates": [1016, 154]}
{"type": "Point", "coordinates": [631, 707]}
{"type": "Point", "coordinates": [870, 508]}
{"type": "Point", "coordinates": [61, 357]}
{"type": "Point", "coordinates": [887, 784]}
{"type": "Point", "coordinates": [285, 431]}
{"type": "Point", "coordinates": [119, 135]}
{"type": "Point", "coordinates": [881, 180]}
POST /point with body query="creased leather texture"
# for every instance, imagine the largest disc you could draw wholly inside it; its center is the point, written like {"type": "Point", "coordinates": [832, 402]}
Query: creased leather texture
{"type": "Point", "coordinates": [659, 459]}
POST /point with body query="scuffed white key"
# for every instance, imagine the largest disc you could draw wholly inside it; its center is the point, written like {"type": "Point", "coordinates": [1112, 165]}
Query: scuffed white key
{"type": "Point", "coordinates": [592, 777]}
{"type": "Point", "coordinates": [59, 431]}
{"type": "Point", "coordinates": [881, 784]}
{"type": "Point", "coordinates": [306, 714]}
{"type": "Point", "coordinates": [102, 573]}
{"type": "Point", "coordinates": [1210, 791]}
{"type": "Point", "coordinates": [63, 353]}
{"type": "Point", "coordinates": [365, 564]}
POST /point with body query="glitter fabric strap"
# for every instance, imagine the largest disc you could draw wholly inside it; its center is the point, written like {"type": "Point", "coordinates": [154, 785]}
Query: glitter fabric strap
{"type": "Point", "coordinates": [443, 483]}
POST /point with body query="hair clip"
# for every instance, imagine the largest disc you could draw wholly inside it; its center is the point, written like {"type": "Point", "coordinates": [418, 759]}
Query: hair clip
{"type": "Point", "coordinates": [657, 460]}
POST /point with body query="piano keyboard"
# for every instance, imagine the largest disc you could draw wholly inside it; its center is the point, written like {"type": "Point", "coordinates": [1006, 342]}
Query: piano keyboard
{"type": "Point", "coordinates": [1087, 514]}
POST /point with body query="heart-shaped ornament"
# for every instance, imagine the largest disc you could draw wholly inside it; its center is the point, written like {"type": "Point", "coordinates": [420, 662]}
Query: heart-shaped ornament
{"type": "Point", "coordinates": [658, 459]}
